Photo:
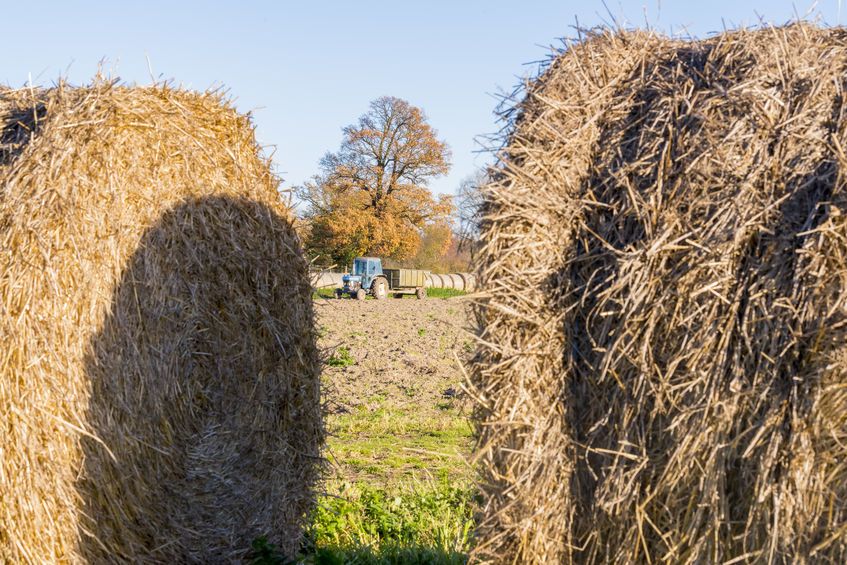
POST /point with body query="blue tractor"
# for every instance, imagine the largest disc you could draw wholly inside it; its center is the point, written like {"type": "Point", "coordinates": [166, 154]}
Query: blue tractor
{"type": "Point", "coordinates": [369, 278]}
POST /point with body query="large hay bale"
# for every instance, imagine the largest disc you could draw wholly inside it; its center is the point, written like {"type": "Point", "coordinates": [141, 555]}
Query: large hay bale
{"type": "Point", "coordinates": [670, 383]}
{"type": "Point", "coordinates": [159, 391]}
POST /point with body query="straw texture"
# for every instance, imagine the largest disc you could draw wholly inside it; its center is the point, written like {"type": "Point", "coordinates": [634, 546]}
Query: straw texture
{"type": "Point", "coordinates": [159, 390]}
{"type": "Point", "coordinates": [668, 382]}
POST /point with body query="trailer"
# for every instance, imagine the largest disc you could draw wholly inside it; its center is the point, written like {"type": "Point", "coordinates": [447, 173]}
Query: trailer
{"type": "Point", "coordinates": [406, 281]}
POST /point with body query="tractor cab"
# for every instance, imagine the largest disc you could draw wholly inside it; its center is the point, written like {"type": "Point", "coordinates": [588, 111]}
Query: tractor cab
{"type": "Point", "coordinates": [365, 270]}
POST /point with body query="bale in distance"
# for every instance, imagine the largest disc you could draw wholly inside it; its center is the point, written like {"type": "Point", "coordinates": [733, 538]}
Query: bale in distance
{"type": "Point", "coordinates": [159, 389]}
{"type": "Point", "coordinates": [456, 281]}
{"type": "Point", "coordinates": [437, 280]}
{"type": "Point", "coordinates": [669, 384]}
{"type": "Point", "coordinates": [468, 281]}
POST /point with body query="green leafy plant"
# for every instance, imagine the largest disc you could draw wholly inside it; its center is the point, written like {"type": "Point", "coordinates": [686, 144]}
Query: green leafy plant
{"type": "Point", "coordinates": [323, 293]}
{"type": "Point", "coordinates": [341, 358]}
{"type": "Point", "coordinates": [444, 405]}
{"type": "Point", "coordinates": [444, 292]}
{"type": "Point", "coordinates": [265, 553]}
{"type": "Point", "coordinates": [427, 523]}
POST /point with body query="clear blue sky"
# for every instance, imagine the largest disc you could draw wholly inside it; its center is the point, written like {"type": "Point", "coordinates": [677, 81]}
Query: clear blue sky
{"type": "Point", "coordinates": [306, 69]}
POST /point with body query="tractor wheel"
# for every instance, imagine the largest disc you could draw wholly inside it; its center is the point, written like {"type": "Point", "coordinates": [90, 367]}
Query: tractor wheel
{"type": "Point", "coordinates": [361, 294]}
{"type": "Point", "coordinates": [379, 289]}
{"type": "Point", "coordinates": [420, 293]}
{"type": "Point", "coordinates": [339, 293]}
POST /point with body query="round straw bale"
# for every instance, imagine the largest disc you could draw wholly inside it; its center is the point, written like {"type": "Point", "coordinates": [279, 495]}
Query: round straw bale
{"type": "Point", "coordinates": [159, 391]}
{"type": "Point", "coordinates": [669, 384]}
{"type": "Point", "coordinates": [456, 281]}
{"type": "Point", "coordinates": [468, 281]}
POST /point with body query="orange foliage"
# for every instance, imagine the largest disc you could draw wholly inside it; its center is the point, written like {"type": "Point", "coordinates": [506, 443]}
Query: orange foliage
{"type": "Point", "coordinates": [371, 198]}
{"type": "Point", "coordinates": [435, 242]}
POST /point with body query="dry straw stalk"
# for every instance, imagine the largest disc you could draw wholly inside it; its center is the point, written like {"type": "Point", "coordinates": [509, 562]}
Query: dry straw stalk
{"type": "Point", "coordinates": [159, 392]}
{"type": "Point", "coordinates": [670, 384]}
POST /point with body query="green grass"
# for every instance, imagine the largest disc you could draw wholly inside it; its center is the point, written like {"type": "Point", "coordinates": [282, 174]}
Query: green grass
{"type": "Point", "coordinates": [323, 293]}
{"type": "Point", "coordinates": [380, 446]}
{"type": "Point", "coordinates": [404, 490]}
{"type": "Point", "coordinates": [444, 292]}
{"type": "Point", "coordinates": [416, 523]}
{"type": "Point", "coordinates": [422, 523]}
{"type": "Point", "coordinates": [389, 555]}
{"type": "Point", "coordinates": [401, 488]}
{"type": "Point", "coordinates": [341, 358]}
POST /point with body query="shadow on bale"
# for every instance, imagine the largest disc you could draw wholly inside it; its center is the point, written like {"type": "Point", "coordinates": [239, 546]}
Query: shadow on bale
{"type": "Point", "coordinates": [204, 407]}
{"type": "Point", "coordinates": [20, 123]}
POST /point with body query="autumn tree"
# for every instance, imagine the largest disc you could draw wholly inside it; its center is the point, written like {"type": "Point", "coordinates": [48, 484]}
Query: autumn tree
{"type": "Point", "coordinates": [371, 196]}
{"type": "Point", "coordinates": [435, 242]}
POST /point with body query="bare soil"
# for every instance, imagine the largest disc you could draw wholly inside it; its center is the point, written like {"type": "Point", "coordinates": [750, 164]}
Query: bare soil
{"type": "Point", "coordinates": [397, 411]}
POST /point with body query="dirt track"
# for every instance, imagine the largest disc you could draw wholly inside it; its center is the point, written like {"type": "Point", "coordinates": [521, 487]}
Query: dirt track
{"type": "Point", "coordinates": [399, 346]}
{"type": "Point", "coordinates": [396, 412]}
